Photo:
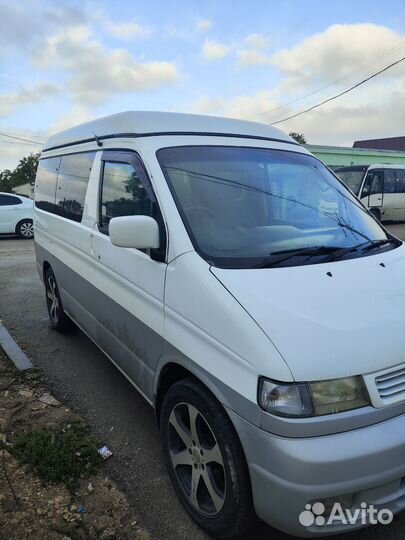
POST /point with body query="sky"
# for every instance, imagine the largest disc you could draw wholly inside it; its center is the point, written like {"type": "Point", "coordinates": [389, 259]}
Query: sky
{"type": "Point", "coordinates": [66, 62]}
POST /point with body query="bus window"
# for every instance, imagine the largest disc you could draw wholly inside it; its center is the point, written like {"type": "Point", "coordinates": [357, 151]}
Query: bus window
{"type": "Point", "coordinates": [366, 187]}
{"type": "Point", "coordinates": [390, 180]}
{"type": "Point", "coordinates": [373, 184]}
{"type": "Point", "coordinates": [400, 181]}
{"type": "Point", "coordinates": [377, 183]}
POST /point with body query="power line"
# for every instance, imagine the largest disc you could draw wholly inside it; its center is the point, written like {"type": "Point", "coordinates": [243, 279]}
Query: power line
{"type": "Point", "coordinates": [21, 139]}
{"type": "Point", "coordinates": [15, 142]}
{"type": "Point", "coordinates": [30, 136]}
{"type": "Point", "coordinates": [340, 94]}
{"type": "Point", "coordinates": [343, 78]}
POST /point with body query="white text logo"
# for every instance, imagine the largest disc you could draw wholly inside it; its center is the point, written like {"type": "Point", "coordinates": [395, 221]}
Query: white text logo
{"type": "Point", "coordinates": [365, 515]}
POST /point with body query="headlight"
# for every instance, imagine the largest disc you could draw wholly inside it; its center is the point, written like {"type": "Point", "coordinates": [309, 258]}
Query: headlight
{"type": "Point", "coordinates": [314, 398]}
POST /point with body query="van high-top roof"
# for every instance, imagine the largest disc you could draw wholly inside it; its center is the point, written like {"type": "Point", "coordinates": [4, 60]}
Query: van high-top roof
{"type": "Point", "coordinates": [147, 124]}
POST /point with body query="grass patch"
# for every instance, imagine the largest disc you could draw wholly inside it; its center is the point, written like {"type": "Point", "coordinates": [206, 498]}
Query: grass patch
{"type": "Point", "coordinates": [61, 456]}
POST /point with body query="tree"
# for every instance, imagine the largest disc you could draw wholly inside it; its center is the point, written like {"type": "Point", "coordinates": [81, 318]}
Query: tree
{"type": "Point", "coordinates": [26, 170]}
{"type": "Point", "coordinates": [6, 181]}
{"type": "Point", "coordinates": [299, 137]}
{"type": "Point", "coordinates": [24, 173]}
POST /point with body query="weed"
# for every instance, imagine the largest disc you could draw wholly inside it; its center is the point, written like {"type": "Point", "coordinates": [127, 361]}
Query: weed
{"type": "Point", "coordinates": [60, 456]}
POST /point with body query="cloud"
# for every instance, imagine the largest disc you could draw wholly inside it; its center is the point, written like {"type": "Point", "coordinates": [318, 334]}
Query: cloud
{"type": "Point", "coordinates": [12, 151]}
{"type": "Point", "coordinates": [95, 72]}
{"type": "Point", "coordinates": [78, 114]}
{"type": "Point", "coordinates": [375, 109]}
{"type": "Point", "coordinates": [250, 57]}
{"type": "Point", "coordinates": [25, 25]}
{"type": "Point", "coordinates": [257, 41]}
{"type": "Point", "coordinates": [13, 100]}
{"type": "Point", "coordinates": [214, 50]}
{"type": "Point", "coordinates": [249, 107]}
{"type": "Point", "coordinates": [203, 25]}
{"type": "Point", "coordinates": [335, 52]}
{"type": "Point", "coordinates": [370, 113]}
{"type": "Point", "coordinates": [127, 31]}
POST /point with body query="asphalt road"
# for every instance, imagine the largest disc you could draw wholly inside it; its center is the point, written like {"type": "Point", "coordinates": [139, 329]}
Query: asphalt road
{"type": "Point", "coordinates": [80, 375]}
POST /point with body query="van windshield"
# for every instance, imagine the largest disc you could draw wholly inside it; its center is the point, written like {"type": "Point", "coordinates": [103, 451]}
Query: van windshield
{"type": "Point", "coordinates": [249, 207]}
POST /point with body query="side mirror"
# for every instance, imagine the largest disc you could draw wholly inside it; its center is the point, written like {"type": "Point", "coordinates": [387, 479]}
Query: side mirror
{"type": "Point", "coordinates": [139, 232]}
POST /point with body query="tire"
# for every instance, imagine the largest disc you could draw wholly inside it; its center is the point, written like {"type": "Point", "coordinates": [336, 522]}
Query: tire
{"type": "Point", "coordinates": [210, 454]}
{"type": "Point", "coordinates": [25, 229]}
{"type": "Point", "coordinates": [376, 213]}
{"type": "Point", "coordinates": [58, 318]}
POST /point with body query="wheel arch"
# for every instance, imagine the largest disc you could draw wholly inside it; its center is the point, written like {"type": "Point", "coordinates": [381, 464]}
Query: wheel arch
{"type": "Point", "coordinates": [45, 267]}
{"type": "Point", "coordinates": [20, 221]}
{"type": "Point", "coordinates": [176, 367]}
{"type": "Point", "coordinates": [175, 370]}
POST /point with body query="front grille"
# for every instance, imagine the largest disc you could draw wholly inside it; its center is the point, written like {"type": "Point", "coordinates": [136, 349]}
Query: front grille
{"type": "Point", "coordinates": [391, 386]}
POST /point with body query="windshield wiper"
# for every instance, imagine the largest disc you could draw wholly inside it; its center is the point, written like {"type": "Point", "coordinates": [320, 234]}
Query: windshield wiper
{"type": "Point", "coordinates": [374, 244]}
{"type": "Point", "coordinates": [287, 254]}
{"type": "Point", "coordinates": [336, 252]}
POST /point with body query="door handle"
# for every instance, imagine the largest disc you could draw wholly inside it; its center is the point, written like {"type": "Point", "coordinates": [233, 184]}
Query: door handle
{"type": "Point", "coordinates": [92, 251]}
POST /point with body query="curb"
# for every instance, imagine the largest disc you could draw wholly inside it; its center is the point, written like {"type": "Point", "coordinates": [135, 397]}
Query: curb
{"type": "Point", "coordinates": [13, 350]}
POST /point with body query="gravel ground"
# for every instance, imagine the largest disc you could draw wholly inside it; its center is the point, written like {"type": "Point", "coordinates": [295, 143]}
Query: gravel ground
{"type": "Point", "coordinates": [31, 509]}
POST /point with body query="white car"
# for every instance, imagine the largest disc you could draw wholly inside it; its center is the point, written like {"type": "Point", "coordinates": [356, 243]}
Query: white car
{"type": "Point", "coordinates": [16, 215]}
{"type": "Point", "coordinates": [252, 300]}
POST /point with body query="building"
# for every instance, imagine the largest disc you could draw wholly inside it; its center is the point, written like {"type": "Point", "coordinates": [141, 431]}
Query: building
{"type": "Point", "coordinates": [340, 156]}
{"type": "Point", "coordinates": [390, 143]}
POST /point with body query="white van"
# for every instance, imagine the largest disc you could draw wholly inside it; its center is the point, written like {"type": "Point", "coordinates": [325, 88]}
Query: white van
{"type": "Point", "coordinates": [249, 297]}
{"type": "Point", "coordinates": [381, 188]}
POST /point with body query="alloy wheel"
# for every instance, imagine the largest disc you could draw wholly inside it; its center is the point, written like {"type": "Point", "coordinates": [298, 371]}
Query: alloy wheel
{"type": "Point", "coordinates": [197, 459]}
{"type": "Point", "coordinates": [52, 298]}
{"type": "Point", "coordinates": [27, 229]}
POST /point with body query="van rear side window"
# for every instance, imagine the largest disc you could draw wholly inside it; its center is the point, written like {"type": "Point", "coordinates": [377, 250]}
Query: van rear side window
{"type": "Point", "coordinates": [61, 184]}
{"type": "Point", "coordinates": [74, 174]}
{"type": "Point", "coordinates": [45, 184]}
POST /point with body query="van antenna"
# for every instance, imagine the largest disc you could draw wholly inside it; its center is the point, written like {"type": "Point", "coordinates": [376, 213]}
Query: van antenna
{"type": "Point", "coordinates": [99, 143]}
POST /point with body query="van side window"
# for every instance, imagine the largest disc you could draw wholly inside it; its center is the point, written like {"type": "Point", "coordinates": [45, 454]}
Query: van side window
{"type": "Point", "coordinates": [45, 184]}
{"type": "Point", "coordinates": [123, 194]}
{"type": "Point", "coordinates": [74, 174]}
{"type": "Point", "coordinates": [61, 184]}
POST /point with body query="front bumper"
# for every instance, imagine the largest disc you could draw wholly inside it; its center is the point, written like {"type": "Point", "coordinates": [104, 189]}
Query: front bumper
{"type": "Point", "coordinates": [287, 474]}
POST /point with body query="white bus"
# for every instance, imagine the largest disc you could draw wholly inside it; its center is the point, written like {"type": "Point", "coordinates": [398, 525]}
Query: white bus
{"type": "Point", "coordinates": [381, 188]}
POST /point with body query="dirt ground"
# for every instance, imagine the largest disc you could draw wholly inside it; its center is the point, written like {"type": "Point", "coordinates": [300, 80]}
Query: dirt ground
{"type": "Point", "coordinates": [33, 510]}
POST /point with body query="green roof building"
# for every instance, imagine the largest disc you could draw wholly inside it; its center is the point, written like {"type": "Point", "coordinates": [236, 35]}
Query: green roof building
{"type": "Point", "coordinates": [339, 156]}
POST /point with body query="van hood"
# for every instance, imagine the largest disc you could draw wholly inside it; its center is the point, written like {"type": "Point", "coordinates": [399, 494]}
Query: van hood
{"type": "Point", "coordinates": [351, 322]}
